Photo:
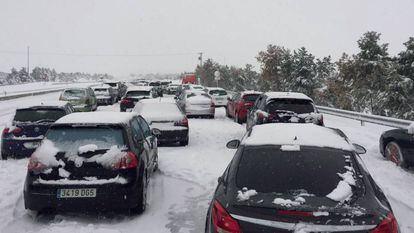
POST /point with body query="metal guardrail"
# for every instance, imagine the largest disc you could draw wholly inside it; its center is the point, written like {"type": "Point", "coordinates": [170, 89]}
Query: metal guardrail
{"type": "Point", "coordinates": [9, 97]}
{"type": "Point", "coordinates": [363, 117]}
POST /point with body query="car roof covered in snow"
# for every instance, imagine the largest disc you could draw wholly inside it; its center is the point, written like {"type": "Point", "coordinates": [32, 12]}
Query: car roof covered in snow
{"type": "Point", "coordinates": [296, 134]}
{"type": "Point", "coordinates": [158, 101]}
{"type": "Point", "coordinates": [140, 88]}
{"type": "Point", "coordinates": [251, 92]}
{"type": "Point", "coordinates": [46, 104]}
{"type": "Point", "coordinates": [287, 95]}
{"type": "Point", "coordinates": [97, 118]}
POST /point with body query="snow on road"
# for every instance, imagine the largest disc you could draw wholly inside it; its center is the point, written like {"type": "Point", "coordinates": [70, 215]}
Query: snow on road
{"type": "Point", "coordinates": [180, 192]}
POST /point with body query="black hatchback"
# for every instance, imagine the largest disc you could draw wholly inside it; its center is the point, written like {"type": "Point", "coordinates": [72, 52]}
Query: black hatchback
{"type": "Point", "coordinates": [296, 182]}
{"type": "Point", "coordinates": [92, 162]}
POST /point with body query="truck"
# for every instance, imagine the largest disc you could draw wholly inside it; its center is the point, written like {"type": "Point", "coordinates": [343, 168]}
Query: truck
{"type": "Point", "coordinates": [189, 79]}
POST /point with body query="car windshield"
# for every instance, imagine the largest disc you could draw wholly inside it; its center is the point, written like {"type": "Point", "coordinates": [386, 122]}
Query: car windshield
{"type": "Point", "coordinates": [298, 106]}
{"type": "Point", "coordinates": [36, 115]}
{"type": "Point", "coordinates": [218, 92]}
{"type": "Point", "coordinates": [137, 93]}
{"type": "Point", "coordinates": [69, 139]}
{"type": "Point", "coordinates": [267, 169]}
{"type": "Point", "coordinates": [78, 93]}
{"type": "Point", "coordinates": [251, 97]}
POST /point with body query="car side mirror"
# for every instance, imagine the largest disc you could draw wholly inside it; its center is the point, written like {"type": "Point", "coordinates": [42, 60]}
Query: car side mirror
{"type": "Point", "coordinates": [156, 132]}
{"type": "Point", "coordinates": [233, 144]}
{"type": "Point", "coordinates": [359, 149]}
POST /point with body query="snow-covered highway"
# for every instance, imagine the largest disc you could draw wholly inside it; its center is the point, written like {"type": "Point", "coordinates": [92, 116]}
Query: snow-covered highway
{"type": "Point", "coordinates": [180, 192]}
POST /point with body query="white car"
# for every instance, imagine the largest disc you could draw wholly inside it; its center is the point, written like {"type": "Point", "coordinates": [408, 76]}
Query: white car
{"type": "Point", "coordinates": [196, 104]}
{"type": "Point", "coordinates": [218, 95]}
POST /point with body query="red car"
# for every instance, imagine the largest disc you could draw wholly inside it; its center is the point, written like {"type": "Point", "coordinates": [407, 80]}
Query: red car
{"type": "Point", "coordinates": [239, 104]}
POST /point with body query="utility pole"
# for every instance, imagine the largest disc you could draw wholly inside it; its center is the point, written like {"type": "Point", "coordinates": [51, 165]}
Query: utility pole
{"type": "Point", "coordinates": [200, 58]}
{"type": "Point", "coordinates": [28, 62]}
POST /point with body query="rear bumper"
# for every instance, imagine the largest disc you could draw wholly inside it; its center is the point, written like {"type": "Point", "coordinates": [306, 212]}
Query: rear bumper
{"type": "Point", "coordinates": [108, 197]}
{"type": "Point", "coordinates": [16, 149]}
{"type": "Point", "coordinates": [171, 136]}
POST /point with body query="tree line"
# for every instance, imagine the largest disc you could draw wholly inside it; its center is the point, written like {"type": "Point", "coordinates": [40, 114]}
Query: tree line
{"type": "Point", "coordinates": [41, 74]}
{"type": "Point", "coordinates": [370, 81]}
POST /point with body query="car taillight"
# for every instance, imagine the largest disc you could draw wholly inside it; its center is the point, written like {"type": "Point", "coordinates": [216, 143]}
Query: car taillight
{"type": "Point", "coordinates": [321, 121]}
{"type": "Point", "coordinates": [387, 225]}
{"type": "Point", "coordinates": [222, 221]}
{"type": "Point", "coordinates": [35, 166]}
{"type": "Point", "coordinates": [126, 101]}
{"type": "Point", "coordinates": [183, 122]}
{"type": "Point", "coordinates": [15, 131]}
{"type": "Point", "coordinates": [125, 162]}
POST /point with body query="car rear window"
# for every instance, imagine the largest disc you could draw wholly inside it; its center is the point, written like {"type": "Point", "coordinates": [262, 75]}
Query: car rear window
{"type": "Point", "coordinates": [112, 84]}
{"type": "Point", "coordinates": [198, 94]}
{"type": "Point", "coordinates": [101, 90]}
{"type": "Point", "coordinates": [38, 115]}
{"type": "Point", "coordinates": [74, 93]}
{"type": "Point", "coordinates": [69, 139]}
{"type": "Point", "coordinates": [251, 97]}
{"type": "Point", "coordinates": [138, 93]}
{"type": "Point", "coordinates": [298, 106]}
{"type": "Point", "coordinates": [267, 169]}
{"type": "Point", "coordinates": [218, 92]}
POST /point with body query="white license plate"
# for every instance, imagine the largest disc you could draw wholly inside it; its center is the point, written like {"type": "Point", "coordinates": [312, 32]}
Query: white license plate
{"type": "Point", "coordinates": [31, 145]}
{"type": "Point", "coordinates": [76, 193]}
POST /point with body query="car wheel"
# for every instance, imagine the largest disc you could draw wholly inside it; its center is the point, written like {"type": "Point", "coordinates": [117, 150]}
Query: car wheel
{"type": "Point", "coordinates": [3, 156]}
{"type": "Point", "coordinates": [237, 119]}
{"type": "Point", "coordinates": [142, 196]}
{"type": "Point", "coordinates": [184, 143]}
{"type": "Point", "coordinates": [227, 113]}
{"type": "Point", "coordinates": [393, 153]}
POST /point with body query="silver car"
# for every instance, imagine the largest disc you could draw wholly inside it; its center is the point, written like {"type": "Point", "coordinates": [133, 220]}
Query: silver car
{"type": "Point", "coordinates": [196, 104]}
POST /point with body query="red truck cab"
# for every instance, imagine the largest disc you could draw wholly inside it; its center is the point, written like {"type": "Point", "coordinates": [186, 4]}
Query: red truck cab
{"type": "Point", "coordinates": [189, 79]}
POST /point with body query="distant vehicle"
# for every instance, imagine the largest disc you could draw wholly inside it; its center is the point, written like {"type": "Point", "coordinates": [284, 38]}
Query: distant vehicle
{"type": "Point", "coordinates": [303, 178]}
{"type": "Point", "coordinates": [239, 105]}
{"type": "Point", "coordinates": [105, 95]}
{"type": "Point", "coordinates": [135, 94]}
{"type": "Point", "coordinates": [103, 162]}
{"type": "Point", "coordinates": [196, 104]}
{"type": "Point", "coordinates": [172, 88]}
{"type": "Point", "coordinates": [29, 126]}
{"type": "Point", "coordinates": [82, 99]}
{"type": "Point", "coordinates": [118, 87]}
{"type": "Point", "coordinates": [157, 88]}
{"type": "Point", "coordinates": [167, 117]}
{"type": "Point", "coordinates": [218, 95]}
{"type": "Point", "coordinates": [283, 107]}
{"type": "Point", "coordinates": [397, 145]}
{"type": "Point", "coordinates": [189, 79]}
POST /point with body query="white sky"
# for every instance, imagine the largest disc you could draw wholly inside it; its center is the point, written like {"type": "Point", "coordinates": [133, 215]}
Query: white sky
{"type": "Point", "coordinates": [229, 31]}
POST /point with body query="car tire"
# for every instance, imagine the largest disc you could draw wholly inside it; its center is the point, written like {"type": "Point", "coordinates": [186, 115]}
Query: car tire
{"type": "Point", "coordinates": [4, 156]}
{"type": "Point", "coordinates": [227, 113]}
{"type": "Point", "coordinates": [123, 110]}
{"type": "Point", "coordinates": [393, 153]}
{"type": "Point", "coordinates": [142, 196]}
{"type": "Point", "coordinates": [184, 142]}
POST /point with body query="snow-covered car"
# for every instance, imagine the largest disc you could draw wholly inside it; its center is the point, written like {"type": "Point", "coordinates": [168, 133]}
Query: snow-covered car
{"type": "Point", "coordinates": [397, 145]}
{"type": "Point", "coordinates": [29, 126]}
{"type": "Point", "coordinates": [82, 99]}
{"type": "Point", "coordinates": [135, 94]}
{"type": "Point", "coordinates": [165, 115]}
{"type": "Point", "coordinates": [240, 104]}
{"type": "Point", "coordinates": [105, 94]}
{"type": "Point", "coordinates": [218, 95]}
{"type": "Point", "coordinates": [304, 178]}
{"type": "Point", "coordinates": [92, 161]}
{"type": "Point", "coordinates": [119, 88]}
{"type": "Point", "coordinates": [193, 87]}
{"type": "Point", "coordinates": [172, 88]}
{"type": "Point", "coordinates": [196, 104]}
{"type": "Point", "coordinates": [283, 107]}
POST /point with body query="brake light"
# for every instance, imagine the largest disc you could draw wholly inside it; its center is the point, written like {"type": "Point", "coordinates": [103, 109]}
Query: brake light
{"type": "Point", "coordinates": [125, 162]}
{"type": "Point", "coordinates": [35, 166]}
{"type": "Point", "coordinates": [183, 122]}
{"type": "Point", "coordinates": [387, 225]}
{"type": "Point", "coordinates": [222, 221]}
{"type": "Point", "coordinates": [126, 101]}
{"type": "Point", "coordinates": [15, 131]}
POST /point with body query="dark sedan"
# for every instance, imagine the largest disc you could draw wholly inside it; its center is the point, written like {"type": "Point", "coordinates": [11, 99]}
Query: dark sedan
{"type": "Point", "coordinates": [92, 162]}
{"type": "Point", "coordinates": [29, 127]}
{"type": "Point", "coordinates": [397, 145]}
{"type": "Point", "coordinates": [296, 182]}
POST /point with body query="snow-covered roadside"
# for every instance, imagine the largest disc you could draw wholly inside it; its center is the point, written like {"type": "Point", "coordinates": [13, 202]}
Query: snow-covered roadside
{"type": "Point", "coordinates": [397, 183]}
{"type": "Point", "coordinates": [37, 86]}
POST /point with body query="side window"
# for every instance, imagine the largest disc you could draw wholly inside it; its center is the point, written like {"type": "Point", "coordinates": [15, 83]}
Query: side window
{"type": "Point", "coordinates": [145, 127]}
{"type": "Point", "coordinates": [256, 104]}
{"type": "Point", "coordinates": [136, 130]}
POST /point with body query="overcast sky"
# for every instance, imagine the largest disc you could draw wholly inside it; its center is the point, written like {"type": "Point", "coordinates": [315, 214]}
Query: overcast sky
{"type": "Point", "coordinates": [165, 36]}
